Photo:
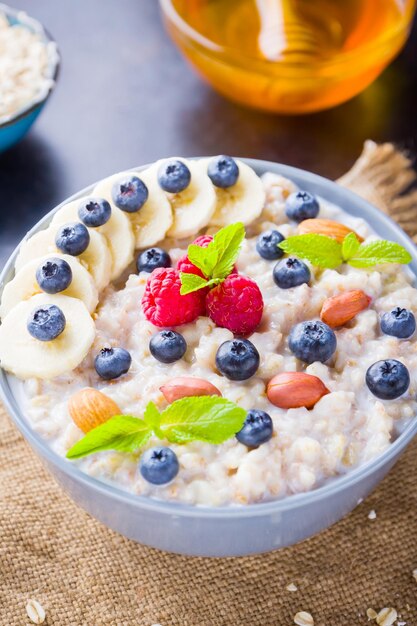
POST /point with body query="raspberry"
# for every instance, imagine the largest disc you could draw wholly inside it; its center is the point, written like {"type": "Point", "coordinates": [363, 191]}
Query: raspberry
{"type": "Point", "coordinates": [184, 264]}
{"type": "Point", "coordinates": [236, 304]}
{"type": "Point", "coordinates": [203, 241]}
{"type": "Point", "coordinates": [162, 303]}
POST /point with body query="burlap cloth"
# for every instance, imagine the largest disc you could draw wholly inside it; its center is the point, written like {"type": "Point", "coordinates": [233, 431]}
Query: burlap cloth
{"type": "Point", "coordinates": [84, 574]}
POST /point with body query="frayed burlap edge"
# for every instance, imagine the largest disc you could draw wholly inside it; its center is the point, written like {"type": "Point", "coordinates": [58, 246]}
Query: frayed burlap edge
{"type": "Point", "coordinates": [385, 177]}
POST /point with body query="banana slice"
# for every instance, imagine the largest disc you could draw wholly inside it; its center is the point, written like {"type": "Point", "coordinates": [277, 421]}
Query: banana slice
{"type": "Point", "coordinates": [96, 259]}
{"type": "Point", "coordinates": [151, 223]}
{"type": "Point", "coordinates": [193, 208]}
{"type": "Point", "coordinates": [24, 284]}
{"type": "Point", "coordinates": [241, 203]}
{"type": "Point", "coordinates": [27, 357]}
{"type": "Point", "coordinates": [118, 232]}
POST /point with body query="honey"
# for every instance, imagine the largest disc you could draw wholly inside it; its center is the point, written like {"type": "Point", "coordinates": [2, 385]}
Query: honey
{"type": "Point", "coordinates": [291, 56]}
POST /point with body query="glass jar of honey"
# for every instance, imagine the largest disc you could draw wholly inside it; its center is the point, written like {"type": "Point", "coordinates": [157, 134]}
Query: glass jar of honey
{"type": "Point", "coordinates": [289, 56]}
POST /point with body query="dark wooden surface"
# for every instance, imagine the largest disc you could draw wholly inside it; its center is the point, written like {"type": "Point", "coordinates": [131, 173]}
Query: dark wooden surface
{"type": "Point", "coordinates": [126, 97]}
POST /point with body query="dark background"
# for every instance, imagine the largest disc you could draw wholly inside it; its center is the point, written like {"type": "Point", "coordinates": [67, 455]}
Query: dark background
{"type": "Point", "coordinates": [126, 97]}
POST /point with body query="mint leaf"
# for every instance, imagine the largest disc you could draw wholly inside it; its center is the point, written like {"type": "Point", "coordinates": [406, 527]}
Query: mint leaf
{"type": "Point", "coordinates": [227, 243]}
{"type": "Point", "coordinates": [203, 258]}
{"type": "Point", "coordinates": [201, 418]}
{"type": "Point", "coordinates": [151, 416]}
{"type": "Point", "coordinates": [216, 260]}
{"type": "Point", "coordinates": [191, 282]}
{"type": "Point", "coordinates": [350, 246]}
{"type": "Point", "coordinates": [122, 432]}
{"type": "Point", "coordinates": [320, 250]}
{"type": "Point", "coordinates": [378, 252]}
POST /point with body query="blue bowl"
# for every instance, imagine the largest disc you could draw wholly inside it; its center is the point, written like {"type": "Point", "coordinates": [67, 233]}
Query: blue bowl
{"type": "Point", "coordinates": [14, 129]}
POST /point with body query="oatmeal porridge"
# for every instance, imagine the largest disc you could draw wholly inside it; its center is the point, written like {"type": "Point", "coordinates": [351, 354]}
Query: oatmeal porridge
{"type": "Point", "coordinates": [25, 59]}
{"type": "Point", "coordinates": [285, 322]}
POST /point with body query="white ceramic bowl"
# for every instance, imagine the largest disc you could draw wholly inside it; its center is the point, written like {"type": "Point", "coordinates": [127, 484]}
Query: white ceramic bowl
{"type": "Point", "coordinates": [224, 531]}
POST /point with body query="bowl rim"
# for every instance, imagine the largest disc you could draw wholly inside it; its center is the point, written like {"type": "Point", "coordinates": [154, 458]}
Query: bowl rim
{"type": "Point", "coordinates": [338, 484]}
{"type": "Point", "coordinates": [264, 65]}
{"type": "Point", "coordinates": [54, 62]}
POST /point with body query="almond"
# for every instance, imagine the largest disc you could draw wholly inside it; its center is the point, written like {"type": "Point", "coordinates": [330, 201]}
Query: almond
{"type": "Point", "coordinates": [326, 227]}
{"type": "Point", "coordinates": [291, 390]}
{"type": "Point", "coordinates": [338, 310]}
{"type": "Point", "coordinates": [186, 386]}
{"type": "Point", "coordinates": [89, 408]}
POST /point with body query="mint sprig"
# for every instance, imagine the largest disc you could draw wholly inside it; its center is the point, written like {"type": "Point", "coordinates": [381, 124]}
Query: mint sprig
{"type": "Point", "coordinates": [350, 246]}
{"type": "Point", "coordinates": [216, 261]}
{"type": "Point", "coordinates": [320, 250]}
{"type": "Point", "coordinates": [122, 432]}
{"type": "Point", "coordinates": [200, 418]}
{"type": "Point", "coordinates": [378, 252]}
{"type": "Point", "coordinates": [326, 252]}
{"type": "Point", "coordinates": [192, 282]}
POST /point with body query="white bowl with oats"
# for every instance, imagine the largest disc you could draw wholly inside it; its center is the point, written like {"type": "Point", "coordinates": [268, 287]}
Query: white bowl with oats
{"type": "Point", "coordinates": [222, 398]}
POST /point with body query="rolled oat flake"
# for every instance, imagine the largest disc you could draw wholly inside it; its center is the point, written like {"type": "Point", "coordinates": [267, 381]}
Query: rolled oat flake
{"type": "Point", "coordinates": [303, 619]}
{"type": "Point", "coordinates": [386, 617]}
{"type": "Point", "coordinates": [35, 612]}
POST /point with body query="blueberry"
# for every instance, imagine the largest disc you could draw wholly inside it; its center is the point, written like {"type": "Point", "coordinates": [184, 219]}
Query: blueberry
{"type": "Point", "coordinates": [267, 245]}
{"type": "Point", "coordinates": [94, 212]}
{"type": "Point", "coordinates": [388, 379]}
{"type": "Point", "coordinates": [112, 362]}
{"type": "Point", "coordinates": [223, 171]}
{"type": "Point", "coordinates": [291, 272]}
{"type": "Point", "coordinates": [130, 194]}
{"type": "Point", "coordinates": [174, 176]}
{"type": "Point", "coordinates": [151, 259]}
{"type": "Point", "coordinates": [46, 322]}
{"type": "Point", "coordinates": [312, 341]}
{"type": "Point", "coordinates": [167, 346]}
{"type": "Point", "coordinates": [237, 359]}
{"type": "Point", "coordinates": [256, 430]}
{"type": "Point", "coordinates": [301, 205]}
{"type": "Point", "coordinates": [54, 275]}
{"type": "Point", "coordinates": [399, 323]}
{"type": "Point", "coordinates": [72, 238]}
{"type": "Point", "coordinates": [159, 465]}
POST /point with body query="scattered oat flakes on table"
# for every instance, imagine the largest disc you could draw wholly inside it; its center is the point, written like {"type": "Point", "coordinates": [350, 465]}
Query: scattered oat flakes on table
{"type": "Point", "coordinates": [386, 616]}
{"type": "Point", "coordinates": [372, 514]}
{"type": "Point", "coordinates": [303, 619]}
{"type": "Point", "coordinates": [35, 612]}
